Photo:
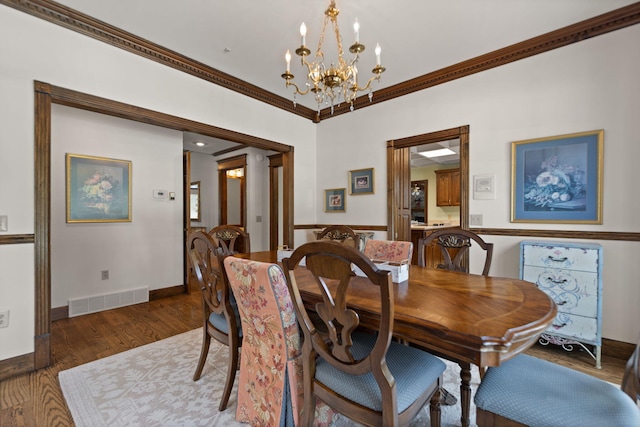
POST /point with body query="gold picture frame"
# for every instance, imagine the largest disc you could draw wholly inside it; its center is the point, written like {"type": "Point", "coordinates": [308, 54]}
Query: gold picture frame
{"type": "Point", "coordinates": [98, 189]}
{"type": "Point", "coordinates": [558, 179]}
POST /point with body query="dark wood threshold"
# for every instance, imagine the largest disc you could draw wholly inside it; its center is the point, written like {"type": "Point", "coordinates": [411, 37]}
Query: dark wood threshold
{"type": "Point", "coordinates": [618, 349]}
{"type": "Point", "coordinates": [59, 313]}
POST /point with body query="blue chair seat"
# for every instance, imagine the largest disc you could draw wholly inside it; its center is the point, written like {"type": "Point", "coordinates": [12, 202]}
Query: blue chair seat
{"type": "Point", "coordinates": [220, 322]}
{"type": "Point", "coordinates": [414, 370]}
{"type": "Point", "coordinates": [535, 392]}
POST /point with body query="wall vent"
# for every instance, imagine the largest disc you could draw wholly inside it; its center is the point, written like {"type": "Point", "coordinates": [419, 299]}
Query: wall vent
{"type": "Point", "coordinates": [80, 306]}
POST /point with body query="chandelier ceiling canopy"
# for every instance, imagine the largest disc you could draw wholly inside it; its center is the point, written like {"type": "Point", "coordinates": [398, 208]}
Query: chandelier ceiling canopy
{"type": "Point", "coordinates": [336, 82]}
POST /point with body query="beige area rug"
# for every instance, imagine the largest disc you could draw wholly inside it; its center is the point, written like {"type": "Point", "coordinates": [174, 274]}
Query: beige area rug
{"type": "Point", "coordinates": [152, 386]}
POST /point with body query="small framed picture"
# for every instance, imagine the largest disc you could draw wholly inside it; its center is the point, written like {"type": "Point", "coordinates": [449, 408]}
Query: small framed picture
{"type": "Point", "coordinates": [361, 181]}
{"type": "Point", "coordinates": [334, 200]}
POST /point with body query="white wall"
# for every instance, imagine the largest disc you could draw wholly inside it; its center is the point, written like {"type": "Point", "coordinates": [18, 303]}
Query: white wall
{"type": "Point", "coordinates": [145, 252]}
{"type": "Point", "coordinates": [585, 86]}
{"type": "Point", "coordinates": [38, 50]}
{"type": "Point", "coordinates": [204, 168]}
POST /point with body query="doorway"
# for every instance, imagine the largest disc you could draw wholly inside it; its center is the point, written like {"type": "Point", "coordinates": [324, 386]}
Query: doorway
{"type": "Point", "coordinates": [399, 178]}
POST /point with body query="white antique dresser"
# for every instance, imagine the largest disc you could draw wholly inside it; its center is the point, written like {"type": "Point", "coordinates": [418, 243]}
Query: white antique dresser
{"type": "Point", "coordinates": [571, 274]}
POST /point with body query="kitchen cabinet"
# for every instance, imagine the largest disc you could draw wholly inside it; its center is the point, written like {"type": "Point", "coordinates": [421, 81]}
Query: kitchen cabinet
{"type": "Point", "coordinates": [448, 187]}
{"type": "Point", "coordinates": [571, 274]}
{"type": "Point", "coordinates": [432, 254]}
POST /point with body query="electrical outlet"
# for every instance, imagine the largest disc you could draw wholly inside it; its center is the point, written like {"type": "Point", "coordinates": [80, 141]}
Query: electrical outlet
{"type": "Point", "coordinates": [475, 219]}
{"type": "Point", "coordinates": [105, 274]}
{"type": "Point", "coordinates": [4, 223]}
{"type": "Point", "coordinates": [4, 318]}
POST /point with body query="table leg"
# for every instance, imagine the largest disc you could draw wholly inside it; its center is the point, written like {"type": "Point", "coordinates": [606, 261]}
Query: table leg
{"type": "Point", "coordinates": [465, 392]}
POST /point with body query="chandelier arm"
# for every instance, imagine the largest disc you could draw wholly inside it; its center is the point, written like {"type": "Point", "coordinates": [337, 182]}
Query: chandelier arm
{"type": "Point", "coordinates": [298, 91]}
{"type": "Point", "coordinates": [357, 88]}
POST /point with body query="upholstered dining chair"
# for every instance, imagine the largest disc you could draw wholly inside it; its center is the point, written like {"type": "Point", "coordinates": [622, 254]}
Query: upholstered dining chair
{"type": "Point", "coordinates": [365, 376]}
{"type": "Point", "coordinates": [231, 238]}
{"type": "Point", "coordinates": [388, 250]}
{"type": "Point", "coordinates": [220, 313]}
{"type": "Point", "coordinates": [342, 233]}
{"type": "Point", "coordinates": [453, 244]}
{"type": "Point", "coordinates": [270, 367]}
{"type": "Point", "coordinates": [526, 391]}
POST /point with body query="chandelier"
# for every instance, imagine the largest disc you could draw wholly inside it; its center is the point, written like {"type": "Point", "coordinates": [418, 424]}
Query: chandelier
{"type": "Point", "coordinates": [337, 82]}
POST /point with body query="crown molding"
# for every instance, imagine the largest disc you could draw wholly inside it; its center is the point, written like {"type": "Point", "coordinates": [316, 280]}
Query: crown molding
{"type": "Point", "coordinates": [85, 24]}
{"type": "Point", "coordinates": [69, 18]}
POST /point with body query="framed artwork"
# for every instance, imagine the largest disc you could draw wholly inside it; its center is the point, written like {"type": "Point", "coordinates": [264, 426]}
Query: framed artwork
{"type": "Point", "coordinates": [361, 181]}
{"type": "Point", "coordinates": [98, 189]}
{"type": "Point", "coordinates": [334, 200]}
{"type": "Point", "coordinates": [558, 179]}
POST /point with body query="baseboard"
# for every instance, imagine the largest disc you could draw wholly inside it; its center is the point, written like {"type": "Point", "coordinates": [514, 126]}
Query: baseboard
{"type": "Point", "coordinates": [59, 313]}
{"type": "Point", "coordinates": [617, 349]}
{"type": "Point", "coordinates": [157, 294]}
{"type": "Point", "coordinates": [16, 366]}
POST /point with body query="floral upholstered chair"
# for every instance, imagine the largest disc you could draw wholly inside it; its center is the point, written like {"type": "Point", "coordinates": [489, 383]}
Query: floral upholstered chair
{"type": "Point", "coordinates": [388, 250]}
{"type": "Point", "coordinates": [270, 386]}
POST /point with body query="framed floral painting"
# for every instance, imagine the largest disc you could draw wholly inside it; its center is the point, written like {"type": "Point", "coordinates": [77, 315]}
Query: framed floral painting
{"type": "Point", "coordinates": [334, 200]}
{"type": "Point", "coordinates": [558, 179]}
{"type": "Point", "coordinates": [98, 189]}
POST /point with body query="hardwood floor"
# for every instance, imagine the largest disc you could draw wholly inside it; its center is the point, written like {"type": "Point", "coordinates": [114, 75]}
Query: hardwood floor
{"type": "Point", "coordinates": [35, 399]}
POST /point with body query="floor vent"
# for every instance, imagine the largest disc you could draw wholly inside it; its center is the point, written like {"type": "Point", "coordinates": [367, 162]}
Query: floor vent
{"type": "Point", "coordinates": [97, 303]}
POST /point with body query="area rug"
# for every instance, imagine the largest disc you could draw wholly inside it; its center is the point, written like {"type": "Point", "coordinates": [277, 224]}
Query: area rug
{"type": "Point", "coordinates": [152, 386]}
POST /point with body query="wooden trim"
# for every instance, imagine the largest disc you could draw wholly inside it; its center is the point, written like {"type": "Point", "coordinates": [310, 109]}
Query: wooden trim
{"type": "Point", "coordinates": [84, 24]}
{"type": "Point", "coordinates": [602, 24]}
{"type": "Point", "coordinates": [287, 198]}
{"type": "Point", "coordinates": [559, 234]}
{"type": "Point", "coordinates": [16, 366]}
{"type": "Point", "coordinates": [13, 239]}
{"type": "Point", "coordinates": [353, 227]}
{"type": "Point", "coordinates": [59, 313]}
{"type": "Point", "coordinates": [42, 222]}
{"type": "Point", "coordinates": [618, 349]}
{"type": "Point", "coordinates": [171, 291]}
{"type": "Point", "coordinates": [232, 162]}
{"type": "Point", "coordinates": [84, 101]}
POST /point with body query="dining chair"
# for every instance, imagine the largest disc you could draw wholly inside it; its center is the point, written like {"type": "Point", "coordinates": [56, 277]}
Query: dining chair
{"type": "Point", "coordinates": [231, 238]}
{"type": "Point", "coordinates": [365, 376]}
{"type": "Point", "coordinates": [341, 233]}
{"type": "Point", "coordinates": [527, 391]}
{"type": "Point", "coordinates": [270, 366]}
{"type": "Point", "coordinates": [453, 244]}
{"type": "Point", "coordinates": [388, 250]}
{"type": "Point", "coordinates": [220, 313]}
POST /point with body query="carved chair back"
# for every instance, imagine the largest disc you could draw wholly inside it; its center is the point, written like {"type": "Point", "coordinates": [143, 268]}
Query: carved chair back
{"type": "Point", "coordinates": [231, 238]}
{"type": "Point", "coordinates": [453, 245]}
{"type": "Point", "coordinates": [341, 233]}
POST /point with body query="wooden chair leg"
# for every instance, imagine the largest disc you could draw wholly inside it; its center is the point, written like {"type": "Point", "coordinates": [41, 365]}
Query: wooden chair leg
{"type": "Point", "coordinates": [434, 408]}
{"type": "Point", "coordinates": [206, 340]}
{"type": "Point", "coordinates": [232, 368]}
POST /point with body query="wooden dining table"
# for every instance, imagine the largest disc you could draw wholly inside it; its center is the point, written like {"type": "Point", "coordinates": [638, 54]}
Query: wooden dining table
{"type": "Point", "coordinates": [469, 319]}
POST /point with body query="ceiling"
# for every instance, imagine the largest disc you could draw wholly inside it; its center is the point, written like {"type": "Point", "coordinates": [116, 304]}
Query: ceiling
{"type": "Point", "coordinates": [248, 39]}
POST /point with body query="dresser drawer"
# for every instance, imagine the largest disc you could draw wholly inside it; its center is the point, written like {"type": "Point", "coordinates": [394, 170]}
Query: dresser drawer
{"type": "Point", "coordinates": [574, 292]}
{"type": "Point", "coordinates": [580, 328]}
{"type": "Point", "coordinates": [571, 258]}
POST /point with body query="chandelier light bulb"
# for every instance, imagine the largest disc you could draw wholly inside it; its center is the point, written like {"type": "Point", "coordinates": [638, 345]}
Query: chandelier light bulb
{"type": "Point", "coordinates": [287, 57]}
{"type": "Point", "coordinates": [378, 51]}
{"type": "Point", "coordinates": [356, 30]}
{"type": "Point", "coordinates": [303, 33]}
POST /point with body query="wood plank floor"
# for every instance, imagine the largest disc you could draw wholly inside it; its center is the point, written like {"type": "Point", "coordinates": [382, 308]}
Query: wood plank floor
{"type": "Point", "coordinates": [35, 399]}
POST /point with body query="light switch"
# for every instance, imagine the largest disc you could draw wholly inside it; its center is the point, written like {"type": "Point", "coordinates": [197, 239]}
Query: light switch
{"type": "Point", "coordinates": [4, 223]}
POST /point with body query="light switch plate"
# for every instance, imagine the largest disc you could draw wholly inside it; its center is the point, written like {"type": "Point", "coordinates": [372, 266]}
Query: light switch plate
{"type": "Point", "coordinates": [4, 223]}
